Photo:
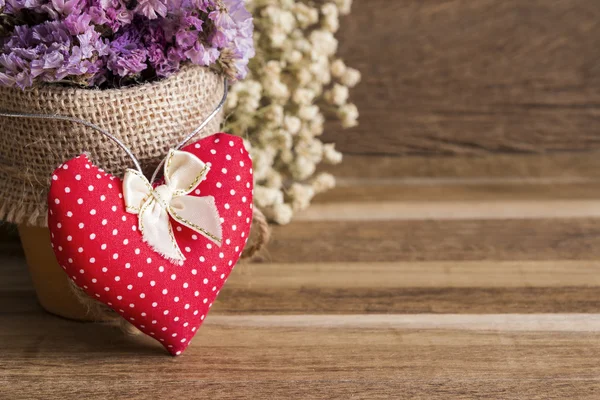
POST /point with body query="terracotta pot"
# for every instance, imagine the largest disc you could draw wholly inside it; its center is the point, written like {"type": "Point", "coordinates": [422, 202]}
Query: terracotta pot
{"type": "Point", "coordinates": [50, 281]}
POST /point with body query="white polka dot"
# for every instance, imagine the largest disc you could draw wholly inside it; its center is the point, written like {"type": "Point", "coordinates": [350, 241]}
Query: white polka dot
{"type": "Point", "coordinates": [166, 312]}
{"type": "Point", "coordinates": [154, 305]}
{"type": "Point", "coordinates": [224, 170]}
{"type": "Point", "coordinates": [78, 177]}
{"type": "Point", "coordinates": [81, 271]}
{"type": "Point", "coordinates": [205, 281]}
{"type": "Point", "coordinates": [70, 260]}
{"type": "Point", "coordinates": [197, 145]}
{"type": "Point", "coordinates": [213, 151]}
{"type": "Point", "coordinates": [149, 260]}
{"type": "Point", "coordinates": [137, 251]}
{"type": "Point", "coordinates": [114, 232]}
{"type": "Point", "coordinates": [231, 143]}
{"type": "Point", "coordinates": [115, 256]}
{"type": "Point", "coordinates": [123, 218]}
{"type": "Point", "coordinates": [125, 241]}
{"type": "Point", "coordinates": [228, 157]}
{"type": "Point", "coordinates": [196, 293]}
{"type": "Point", "coordinates": [185, 285]}
{"type": "Point", "coordinates": [238, 178]}
{"type": "Point", "coordinates": [117, 278]}
{"type": "Point", "coordinates": [59, 225]}
{"type": "Point", "coordinates": [104, 222]}
{"type": "Point", "coordinates": [114, 208]}
{"type": "Point", "coordinates": [227, 206]}
{"type": "Point", "coordinates": [129, 287]}
{"type": "Point", "coordinates": [194, 237]}
{"type": "Point", "coordinates": [165, 291]}
{"type": "Point", "coordinates": [80, 249]}
{"type": "Point", "coordinates": [188, 249]}
{"type": "Point", "coordinates": [161, 269]}
{"type": "Point", "coordinates": [65, 166]}
{"type": "Point", "coordinates": [140, 274]}
{"type": "Point", "coordinates": [56, 201]}
{"type": "Point", "coordinates": [133, 228]}
{"type": "Point", "coordinates": [232, 192]}
{"type": "Point", "coordinates": [202, 259]}
{"type": "Point", "coordinates": [248, 185]}
{"type": "Point", "coordinates": [69, 238]}
{"type": "Point", "coordinates": [173, 277]}
{"type": "Point", "coordinates": [131, 305]}
{"type": "Point", "coordinates": [234, 227]}
{"type": "Point", "coordinates": [214, 268]}
{"type": "Point", "coordinates": [194, 272]}
{"type": "Point", "coordinates": [176, 299]}
{"type": "Point", "coordinates": [69, 214]}
{"type": "Point", "coordinates": [104, 269]}
{"type": "Point", "coordinates": [143, 314]}
{"type": "Point", "coordinates": [209, 246]}
{"type": "Point", "coordinates": [79, 201]}
{"type": "Point", "coordinates": [228, 241]}
{"type": "Point", "coordinates": [205, 301]}
{"type": "Point", "coordinates": [219, 185]}
{"type": "Point", "coordinates": [241, 163]}
{"type": "Point", "coordinates": [110, 185]}
{"type": "Point", "coordinates": [243, 199]}
{"type": "Point", "coordinates": [90, 188]}
{"type": "Point", "coordinates": [152, 283]}
{"type": "Point", "coordinates": [67, 190]}
{"type": "Point", "coordinates": [81, 225]}
{"type": "Point", "coordinates": [221, 255]}
{"type": "Point", "coordinates": [102, 198]}
{"type": "Point", "coordinates": [127, 265]}
{"type": "Point", "coordinates": [176, 319]}
{"type": "Point", "coordinates": [214, 288]}
{"type": "Point", "coordinates": [187, 307]}
{"type": "Point", "coordinates": [93, 212]}
{"type": "Point", "coordinates": [92, 260]}
{"type": "Point", "coordinates": [119, 297]}
{"type": "Point", "coordinates": [222, 276]}
{"type": "Point", "coordinates": [94, 280]}
{"type": "Point", "coordinates": [107, 289]}
{"type": "Point", "coordinates": [103, 247]}
{"type": "Point", "coordinates": [54, 177]}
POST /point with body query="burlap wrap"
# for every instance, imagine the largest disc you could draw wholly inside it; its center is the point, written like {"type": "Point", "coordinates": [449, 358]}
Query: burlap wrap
{"type": "Point", "coordinates": [148, 118]}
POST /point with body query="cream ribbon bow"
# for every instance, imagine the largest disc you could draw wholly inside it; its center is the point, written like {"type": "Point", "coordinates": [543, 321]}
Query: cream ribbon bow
{"type": "Point", "coordinates": [183, 172]}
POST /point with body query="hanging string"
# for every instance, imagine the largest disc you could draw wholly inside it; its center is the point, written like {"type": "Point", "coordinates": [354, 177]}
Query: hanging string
{"type": "Point", "coordinates": [110, 136]}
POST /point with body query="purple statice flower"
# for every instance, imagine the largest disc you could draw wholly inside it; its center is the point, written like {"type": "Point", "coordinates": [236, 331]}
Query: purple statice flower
{"type": "Point", "coordinates": [91, 42]}
{"type": "Point", "coordinates": [127, 54]}
{"type": "Point", "coordinates": [152, 9]}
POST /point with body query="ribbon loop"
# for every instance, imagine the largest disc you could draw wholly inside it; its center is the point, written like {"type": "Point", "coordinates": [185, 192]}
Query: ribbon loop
{"type": "Point", "coordinates": [183, 173]}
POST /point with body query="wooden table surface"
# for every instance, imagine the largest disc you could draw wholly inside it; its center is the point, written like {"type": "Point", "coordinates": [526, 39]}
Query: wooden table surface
{"type": "Point", "coordinates": [417, 278]}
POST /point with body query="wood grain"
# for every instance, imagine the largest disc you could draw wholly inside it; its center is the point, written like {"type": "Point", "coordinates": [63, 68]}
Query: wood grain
{"type": "Point", "coordinates": [271, 358]}
{"type": "Point", "coordinates": [473, 77]}
{"type": "Point", "coordinates": [434, 240]}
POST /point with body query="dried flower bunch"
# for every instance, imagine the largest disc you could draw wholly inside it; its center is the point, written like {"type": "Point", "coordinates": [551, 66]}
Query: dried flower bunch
{"type": "Point", "coordinates": [295, 82]}
{"type": "Point", "coordinates": [112, 43]}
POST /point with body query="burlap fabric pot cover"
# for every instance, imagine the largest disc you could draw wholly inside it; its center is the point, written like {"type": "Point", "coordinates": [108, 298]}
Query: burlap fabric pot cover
{"type": "Point", "coordinates": [149, 119]}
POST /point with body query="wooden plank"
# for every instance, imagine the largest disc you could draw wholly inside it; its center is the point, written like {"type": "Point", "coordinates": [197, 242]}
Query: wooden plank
{"type": "Point", "coordinates": [555, 167]}
{"type": "Point", "coordinates": [433, 240]}
{"type": "Point", "coordinates": [473, 77]}
{"type": "Point", "coordinates": [472, 190]}
{"type": "Point", "coordinates": [368, 288]}
{"type": "Point", "coordinates": [309, 358]}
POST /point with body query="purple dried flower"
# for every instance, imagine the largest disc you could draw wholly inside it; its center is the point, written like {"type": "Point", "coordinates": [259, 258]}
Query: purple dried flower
{"type": "Point", "coordinates": [113, 41]}
{"type": "Point", "coordinates": [151, 9]}
{"type": "Point", "coordinates": [127, 54]}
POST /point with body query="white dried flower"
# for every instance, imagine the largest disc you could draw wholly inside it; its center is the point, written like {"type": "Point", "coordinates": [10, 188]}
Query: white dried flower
{"type": "Point", "coordinates": [348, 113]}
{"type": "Point", "coordinates": [294, 80]}
{"type": "Point", "coordinates": [338, 95]}
{"type": "Point", "coordinates": [331, 155]}
{"type": "Point", "coordinates": [351, 77]}
{"type": "Point", "coordinates": [323, 182]}
{"type": "Point", "coordinates": [338, 68]}
{"type": "Point", "coordinates": [300, 196]}
{"type": "Point", "coordinates": [331, 20]}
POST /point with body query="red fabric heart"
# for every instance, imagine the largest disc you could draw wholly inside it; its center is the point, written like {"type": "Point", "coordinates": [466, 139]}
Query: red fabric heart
{"type": "Point", "coordinates": [101, 248]}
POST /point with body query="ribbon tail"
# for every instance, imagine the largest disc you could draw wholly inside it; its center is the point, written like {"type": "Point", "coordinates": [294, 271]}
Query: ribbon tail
{"type": "Point", "coordinates": [199, 214]}
{"type": "Point", "coordinates": [157, 231]}
{"type": "Point", "coordinates": [136, 189]}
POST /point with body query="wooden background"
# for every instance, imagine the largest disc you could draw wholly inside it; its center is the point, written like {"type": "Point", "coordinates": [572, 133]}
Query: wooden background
{"type": "Point", "coordinates": [458, 258]}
